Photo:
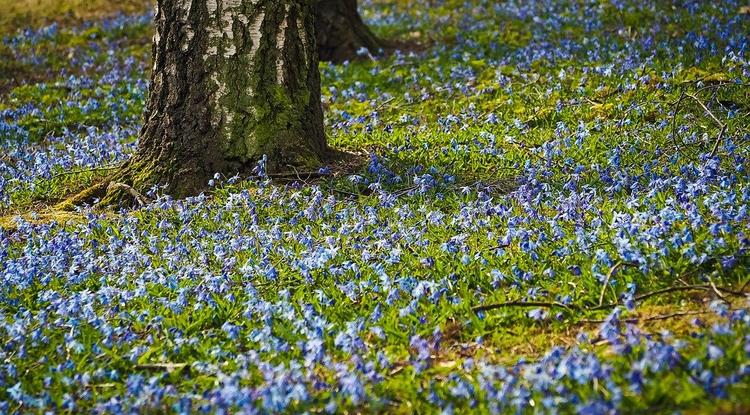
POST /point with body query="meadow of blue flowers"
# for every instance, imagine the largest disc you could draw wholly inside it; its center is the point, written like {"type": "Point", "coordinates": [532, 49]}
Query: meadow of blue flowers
{"type": "Point", "coordinates": [553, 219]}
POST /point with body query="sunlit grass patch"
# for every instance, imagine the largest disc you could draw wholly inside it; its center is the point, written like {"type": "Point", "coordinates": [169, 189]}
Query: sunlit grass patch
{"type": "Point", "coordinates": [20, 14]}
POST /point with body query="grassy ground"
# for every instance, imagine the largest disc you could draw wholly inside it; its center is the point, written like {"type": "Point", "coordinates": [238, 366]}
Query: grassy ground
{"type": "Point", "coordinates": [539, 166]}
{"type": "Point", "coordinates": [30, 14]}
{"type": "Point", "coordinates": [21, 14]}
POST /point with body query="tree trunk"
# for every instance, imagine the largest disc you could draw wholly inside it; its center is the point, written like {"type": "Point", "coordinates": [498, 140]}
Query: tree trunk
{"type": "Point", "coordinates": [341, 32]}
{"type": "Point", "coordinates": [232, 80]}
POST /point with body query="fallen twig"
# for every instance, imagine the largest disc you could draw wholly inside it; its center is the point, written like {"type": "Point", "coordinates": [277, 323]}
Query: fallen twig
{"type": "Point", "coordinates": [715, 148]}
{"type": "Point", "coordinates": [652, 318]}
{"type": "Point", "coordinates": [716, 290]}
{"type": "Point", "coordinates": [539, 304]}
{"type": "Point", "coordinates": [705, 108]}
{"type": "Point", "coordinates": [704, 287]}
{"type": "Point", "coordinates": [384, 103]}
{"type": "Point", "coordinates": [721, 125]}
{"type": "Point", "coordinates": [609, 276]}
{"type": "Point", "coordinates": [572, 307]}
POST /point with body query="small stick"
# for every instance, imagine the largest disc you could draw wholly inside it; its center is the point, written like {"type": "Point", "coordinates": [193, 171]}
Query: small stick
{"type": "Point", "coordinates": [652, 318]}
{"type": "Point", "coordinates": [495, 248]}
{"type": "Point", "coordinates": [609, 276]}
{"type": "Point", "coordinates": [715, 148]}
{"type": "Point", "coordinates": [705, 108]}
{"type": "Point", "coordinates": [296, 173]}
{"type": "Point", "coordinates": [572, 307]}
{"type": "Point", "coordinates": [384, 103]}
{"type": "Point", "coordinates": [642, 297]}
{"type": "Point", "coordinates": [554, 304]}
{"type": "Point", "coordinates": [722, 126]}
{"type": "Point", "coordinates": [716, 290]}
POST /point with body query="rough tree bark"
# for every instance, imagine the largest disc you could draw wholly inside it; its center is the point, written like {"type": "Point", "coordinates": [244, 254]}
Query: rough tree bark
{"type": "Point", "coordinates": [232, 80]}
{"type": "Point", "coordinates": [341, 31]}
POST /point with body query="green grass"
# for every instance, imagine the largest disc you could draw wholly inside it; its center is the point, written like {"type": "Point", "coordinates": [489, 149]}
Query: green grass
{"type": "Point", "coordinates": [22, 14]}
{"type": "Point", "coordinates": [618, 112]}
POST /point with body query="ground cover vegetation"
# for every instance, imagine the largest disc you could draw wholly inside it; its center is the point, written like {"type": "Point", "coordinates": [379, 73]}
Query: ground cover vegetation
{"type": "Point", "coordinates": [552, 217]}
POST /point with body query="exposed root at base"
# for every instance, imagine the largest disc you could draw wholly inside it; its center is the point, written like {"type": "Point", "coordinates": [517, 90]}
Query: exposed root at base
{"type": "Point", "coordinates": [125, 186]}
{"type": "Point", "coordinates": [84, 197]}
{"type": "Point", "coordinates": [116, 186]}
{"type": "Point", "coordinates": [111, 191]}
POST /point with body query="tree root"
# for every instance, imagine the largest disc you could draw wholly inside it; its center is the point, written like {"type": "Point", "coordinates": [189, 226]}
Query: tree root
{"type": "Point", "coordinates": [126, 186]}
{"type": "Point", "coordinates": [87, 196]}
{"type": "Point", "coordinates": [113, 190]}
{"type": "Point", "coordinates": [115, 186]}
{"type": "Point", "coordinates": [104, 194]}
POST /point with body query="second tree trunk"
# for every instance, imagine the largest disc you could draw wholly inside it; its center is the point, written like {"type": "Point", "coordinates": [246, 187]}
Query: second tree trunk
{"type": "Point", "coordinates": [341, 32]}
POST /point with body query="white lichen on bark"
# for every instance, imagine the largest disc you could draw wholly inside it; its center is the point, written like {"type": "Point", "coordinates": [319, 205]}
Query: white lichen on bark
{"type": "Point", "coordinates": [255, 33]}
{"type": "Point", "coordinates": [303, 40]}
{"type": "Point", "coordinates": [280, 46]}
